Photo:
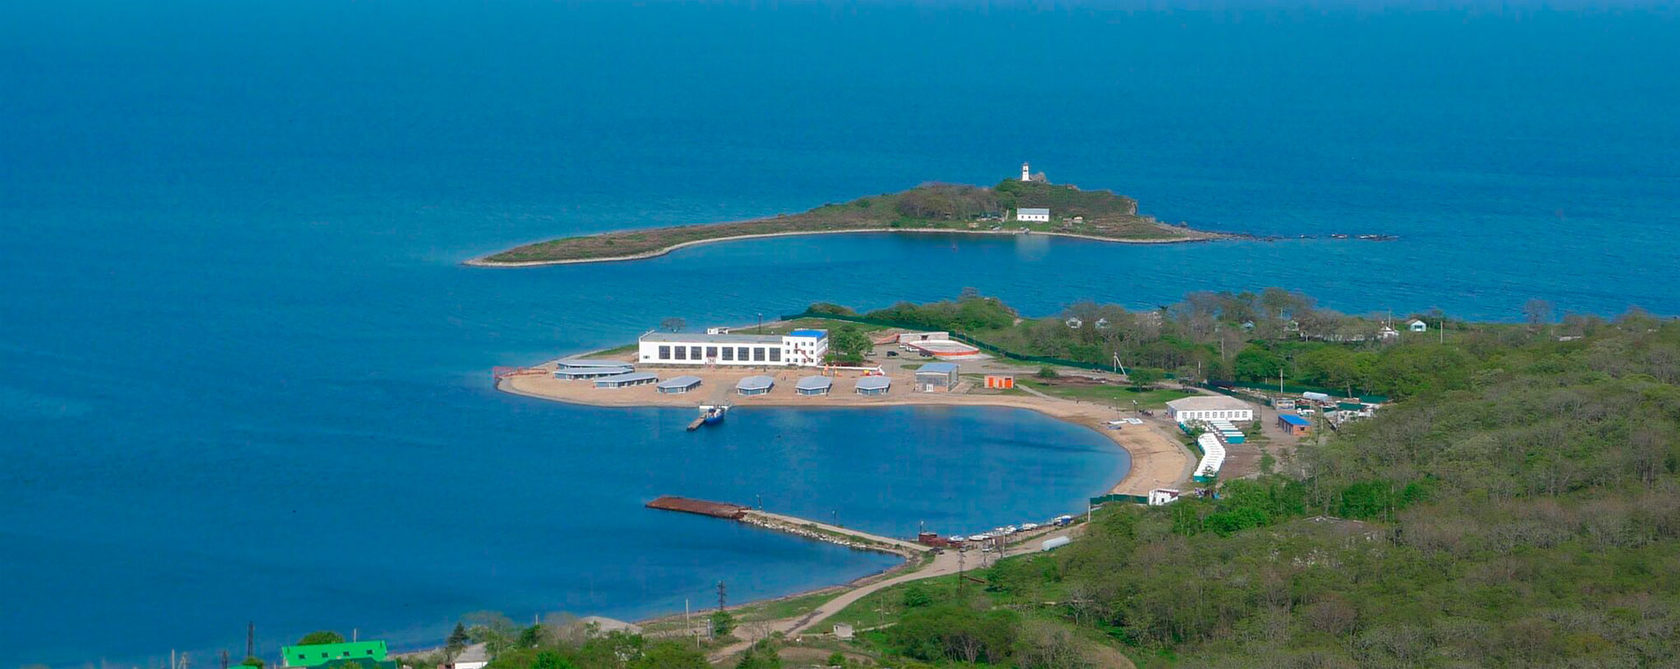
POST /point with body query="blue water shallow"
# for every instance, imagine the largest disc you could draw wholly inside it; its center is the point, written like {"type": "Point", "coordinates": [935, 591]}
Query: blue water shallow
{"type": "Point", "coordinates": [243, 375]}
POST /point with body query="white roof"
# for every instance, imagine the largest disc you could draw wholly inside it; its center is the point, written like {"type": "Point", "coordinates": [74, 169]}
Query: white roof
{"type": "Point", "coordinates": [1032, 210]}
{"type": "Point", "coordinates": [1208, 403]}
{"type": "Point", "coordinates": [591, 362]}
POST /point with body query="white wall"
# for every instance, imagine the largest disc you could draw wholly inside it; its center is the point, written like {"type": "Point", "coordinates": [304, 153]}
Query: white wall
{"type": "Point", "coordinates": [1214, 414]}
{"type": "Point", "coordinates": [791, 351]}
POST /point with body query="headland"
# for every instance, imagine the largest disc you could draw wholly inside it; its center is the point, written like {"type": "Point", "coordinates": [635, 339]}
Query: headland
{"type": "Point", "coordinates": [1030, 206]}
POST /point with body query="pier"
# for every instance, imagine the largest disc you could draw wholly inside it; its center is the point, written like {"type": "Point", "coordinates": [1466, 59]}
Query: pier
{"type": "Point", "coordinates": [802, 527]}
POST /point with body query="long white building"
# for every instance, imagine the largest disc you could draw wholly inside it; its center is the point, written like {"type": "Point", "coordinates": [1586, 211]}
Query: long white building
{"type": "Point", "coordinates": [799, 348]}
{"type": "Point", "coordinates": [1209, 407]}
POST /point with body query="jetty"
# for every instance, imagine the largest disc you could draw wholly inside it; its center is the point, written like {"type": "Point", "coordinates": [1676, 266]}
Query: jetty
{"type": "Point", "coordinates": [801, 527]}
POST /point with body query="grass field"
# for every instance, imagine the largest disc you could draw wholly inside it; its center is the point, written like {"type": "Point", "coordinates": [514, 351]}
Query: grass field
{"type": "Point", "coordinates": [1115, 395]}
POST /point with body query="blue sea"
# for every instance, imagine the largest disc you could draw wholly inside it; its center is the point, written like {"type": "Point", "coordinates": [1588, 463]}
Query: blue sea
{"type": "Point", "coordinates": [244, 376]}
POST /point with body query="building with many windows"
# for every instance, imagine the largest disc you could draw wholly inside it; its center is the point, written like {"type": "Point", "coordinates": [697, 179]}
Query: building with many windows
{"type": "Point", "coordinates": [1209, 408]}
{"type": "Point", "coordinates": [799, 348]}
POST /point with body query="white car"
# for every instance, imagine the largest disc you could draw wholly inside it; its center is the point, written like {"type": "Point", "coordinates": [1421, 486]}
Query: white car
{"type": "Point", "coordinates": [1028, 527]}
{"type": "Point", "coordinates": [1011, 529]}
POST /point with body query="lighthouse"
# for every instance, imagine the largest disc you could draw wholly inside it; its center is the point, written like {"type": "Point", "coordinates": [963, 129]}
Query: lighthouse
{"type": "Point", "coordinates": [1026, 173]}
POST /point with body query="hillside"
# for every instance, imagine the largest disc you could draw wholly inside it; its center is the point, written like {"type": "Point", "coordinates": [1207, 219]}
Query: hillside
{"type": "Point", "coordinates": [1521, 509]}
{"type": "Point", "coordinates": [929, 207]}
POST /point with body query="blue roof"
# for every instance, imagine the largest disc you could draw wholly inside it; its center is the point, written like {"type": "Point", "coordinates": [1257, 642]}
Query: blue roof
{"type": "Point", "coordinates": [937, 368]}
{"type": "Point", "coordinates": [759, 382]}
{"type": "Point", "coordinates": [1293, 419]}
{"type": "Point", "coordinates": [819, 334]}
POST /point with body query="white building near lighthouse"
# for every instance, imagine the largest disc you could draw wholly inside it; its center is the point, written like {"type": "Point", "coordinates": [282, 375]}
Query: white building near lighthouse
{"type": "Point", "coordinates": [1026, 172]}
{"type": "Point", "coordinates": [1031, 214]}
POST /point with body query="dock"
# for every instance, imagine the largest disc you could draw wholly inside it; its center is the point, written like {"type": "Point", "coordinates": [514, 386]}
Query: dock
{"type": "Point", "coordinates": [699, 507]}
{"type": "Point", "coordinates": [801, 527]}
{"type": "Point", "coordinates": [697, 423]}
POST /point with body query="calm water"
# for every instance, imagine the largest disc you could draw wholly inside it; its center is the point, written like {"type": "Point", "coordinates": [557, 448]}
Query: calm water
{"type": "Point", "coordinates": [243, 377]}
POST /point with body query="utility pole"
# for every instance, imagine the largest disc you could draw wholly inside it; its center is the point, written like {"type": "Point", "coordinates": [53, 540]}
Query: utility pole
{"type": "Point", "coordinates": [251, 639]}
{"type": "Point", "coordinates": [224, 658]}
{"type": "Point", "coordinates": [723, 596]}
{"type": "Point", "coordinates": [962, 572]}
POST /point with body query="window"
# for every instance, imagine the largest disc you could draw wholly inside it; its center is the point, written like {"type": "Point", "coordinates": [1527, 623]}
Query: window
{"type": "Point", "coordinates": [758, 354]}
{"type": "Point", "coordinates": [775, 355]}
{"type": "Point", "coordinates": [682, 352]}
{"type": "Point", "coordinates": [711, 351]}
{"type": "Point", "coordinates": [742, 354]}
{"type": "Point", "coordinates": [729, 353]}
{"type": "Point", "coordinates": [694, 352]}
{"type": "Point", "coordinates": [664, 353]}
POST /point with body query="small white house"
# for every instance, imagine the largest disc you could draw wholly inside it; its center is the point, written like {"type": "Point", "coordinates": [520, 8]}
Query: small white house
{"type": "Point", "coordinates": [1417, 325]}
{"type": "Point", "coordinates": [1032, 215]}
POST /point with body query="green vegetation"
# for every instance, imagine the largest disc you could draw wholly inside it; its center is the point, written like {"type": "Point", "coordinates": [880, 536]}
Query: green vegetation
{"type": "Point", "coordinates": [1242, 337]}
{"type": "Point", "coordinates": [847, 345]}
{"type": "Point", "coordinates": [561, 641]}
{"type": "Point", "coordinates": [933, 206]}
{"type": "Point", "coordinates": [320, 638]}
{"type": "Point", "coordinates": [1520, 508]}
{"type": "Point", "coordinates": [1118, 396]}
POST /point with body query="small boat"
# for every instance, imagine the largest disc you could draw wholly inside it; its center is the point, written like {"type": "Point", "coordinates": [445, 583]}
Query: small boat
{"type": "Point", "coordinates": [713, 414]}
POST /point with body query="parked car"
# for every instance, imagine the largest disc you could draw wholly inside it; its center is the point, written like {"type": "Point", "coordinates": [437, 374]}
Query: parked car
{"type": "Point", "coordinates": [892, 354]}
{"type": "Point", "coordinates": [1028, 527]}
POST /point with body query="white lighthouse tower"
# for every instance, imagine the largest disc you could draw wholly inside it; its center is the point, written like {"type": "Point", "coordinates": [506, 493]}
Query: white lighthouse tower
{"type": "Point", "coordinates": [1026, 173]}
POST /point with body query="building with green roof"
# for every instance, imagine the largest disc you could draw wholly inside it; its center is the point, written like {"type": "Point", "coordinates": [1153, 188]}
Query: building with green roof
{"type": "Point", "coordinates": [320, 655]}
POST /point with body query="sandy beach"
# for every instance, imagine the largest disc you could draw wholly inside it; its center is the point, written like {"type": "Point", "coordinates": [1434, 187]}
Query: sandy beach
{"type": "Point", "coordinates": [1158, 460]}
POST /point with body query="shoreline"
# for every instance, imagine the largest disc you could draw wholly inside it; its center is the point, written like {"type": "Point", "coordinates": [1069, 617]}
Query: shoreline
{"type": "Point", "coordinates": [1139, 479]}
{"type": "Point", "coordinates": [484, 260]}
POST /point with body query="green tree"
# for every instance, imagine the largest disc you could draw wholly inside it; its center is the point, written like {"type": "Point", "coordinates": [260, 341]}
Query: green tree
{"type": "Point", "coordinates": [253, 662]}
{"type": "Point", "coordinates": [1257, 364]}
{"type": "Point", "coordinates": [722, 623]}
{"type": "Point", "coordinates": [458, 639]}
{"type": "Point", "coordinates": [760, 656]}
{"type": "Point", "coordinates": [672, 324]}
{"type": "Point", "coordinates": [1047, 372]}
{"type": "Point", "coordinates": [320, 638]}
{"type": "Point", "coordinates": [671, 655]}
{"type": "Point", "coordinates": [551, 659]}
{"type": "Point", "coordinates": [1144, 378]}
{"type": "Point", "coordinates": [848, 344]}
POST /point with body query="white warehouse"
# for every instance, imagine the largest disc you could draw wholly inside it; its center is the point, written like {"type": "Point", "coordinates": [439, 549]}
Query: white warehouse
{"type": "Point", "coordinates": [799, 348]}
{"type": "Point", "coordinates": [1209, 407]}
{"type": "Point", "coordinates": [1038, 214]}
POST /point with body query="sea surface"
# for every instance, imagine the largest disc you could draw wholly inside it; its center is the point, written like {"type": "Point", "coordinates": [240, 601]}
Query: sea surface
{"type": "Point", "coordinates": [244, 377]}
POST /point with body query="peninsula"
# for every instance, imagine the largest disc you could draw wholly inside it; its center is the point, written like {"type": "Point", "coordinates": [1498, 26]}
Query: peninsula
{"type": "Point", "coordinates": [1029, 205]}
